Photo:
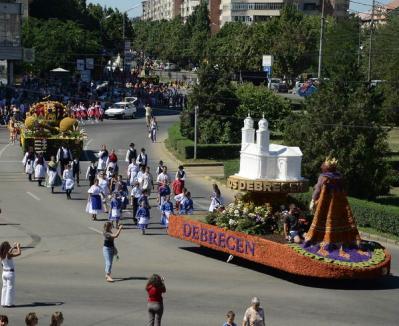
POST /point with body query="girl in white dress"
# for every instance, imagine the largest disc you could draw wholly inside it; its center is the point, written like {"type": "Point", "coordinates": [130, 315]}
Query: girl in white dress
{"type": "Point", "coordinates": [216, 198]}
{"type": "Point", "coordinates": [68, 180]}
{"type": "Point", "coordinates": [102, 158]}
{"type": "Point", "coordinates": [94, 200]}
{"type": "Point", "coordinates": [132, 171]}
{"type": "Point", "coordinates": [40, 167]}
{"type": "Point", "coordinates": [28, 162]}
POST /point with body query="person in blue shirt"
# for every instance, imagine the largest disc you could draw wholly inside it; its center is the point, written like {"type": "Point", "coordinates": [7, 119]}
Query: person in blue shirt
{"type": "Point", "coordinates": [144, 198]}
{"type": "Point", "coordinates": [116, 208]}
{"type": "Point", "coordinates": [166, 210]}
{"type": "Point", "coordinates": [230, 319]}
{"type": "Point", "coordinates": [143, 217]}
{"type": "Point", "coordinates": [186, 205]}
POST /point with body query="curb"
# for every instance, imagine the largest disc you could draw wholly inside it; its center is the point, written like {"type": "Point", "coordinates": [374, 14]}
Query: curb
{"type": "Point", "coordinates": [189, 164]}
{"type": "Point", "coordinates": [374, 237]}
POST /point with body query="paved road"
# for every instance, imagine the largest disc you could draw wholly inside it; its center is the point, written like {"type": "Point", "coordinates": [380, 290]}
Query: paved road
{"type": "Point", "coordinates": [62, 266]}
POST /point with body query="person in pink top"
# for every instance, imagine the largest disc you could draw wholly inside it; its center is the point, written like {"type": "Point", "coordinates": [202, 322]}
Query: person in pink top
{"type": "Point", "coordinates": [155, 287]}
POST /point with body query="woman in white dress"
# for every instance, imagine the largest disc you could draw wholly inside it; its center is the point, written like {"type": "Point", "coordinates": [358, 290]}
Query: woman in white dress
{"type": "Point", "coordinates": [7, 253]}
{"type": "Point", "coordinates": [102, 158]}
{"type": "Point", "coordinates": [132, 171]}
{"type": "Point", "coordinates": [53, 179]}
{"type": "Point", "coordinates": [216, 198]}
{"type": "Point", "coordinates": [40, 167]}
{"type": "Point", "coordinates": [68, 180]}
{"type": "Point", "coordinates": [28, 162]}
{"type": "Point", "coordinates": [147, 182]}
{"type": "Point", "coordinates": [94, 200]}
{"type": "Point", "coordinates": [104, 186]}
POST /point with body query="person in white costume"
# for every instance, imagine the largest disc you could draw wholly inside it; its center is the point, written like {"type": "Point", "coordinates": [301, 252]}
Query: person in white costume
{"type": "Point", "coordinates": [7, 253]}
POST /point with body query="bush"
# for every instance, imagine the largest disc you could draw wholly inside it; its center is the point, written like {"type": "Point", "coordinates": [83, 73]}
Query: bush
{"type": "Point", "coordinates": [367, 214]}
{"type": "Point", "coordinates": [185, 147]}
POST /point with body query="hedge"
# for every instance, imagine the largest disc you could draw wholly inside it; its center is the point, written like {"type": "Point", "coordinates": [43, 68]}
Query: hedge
{"type": "Point", "coordinates": [383, 218]}
{"type": "Point", "coordinates": [185, 147]}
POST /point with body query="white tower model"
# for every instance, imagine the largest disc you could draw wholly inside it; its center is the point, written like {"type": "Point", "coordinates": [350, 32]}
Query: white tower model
{"type": "Point", "coordinates": [262, 160]}
{"type": "Point", "coordinates": [247, 132]}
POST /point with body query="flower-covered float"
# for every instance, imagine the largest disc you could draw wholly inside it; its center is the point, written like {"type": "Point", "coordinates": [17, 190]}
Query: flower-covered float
{"type": "Point", "coordinates": [250, 227]}
{"type": "Point", "coordinates": [47, 126]}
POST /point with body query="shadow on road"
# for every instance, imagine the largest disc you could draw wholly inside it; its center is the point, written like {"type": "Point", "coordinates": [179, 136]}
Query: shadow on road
{"type": "Point", "coordinates": [390, 282]}
{"type": "Point", "coordinates": [132, 278]}
{"type": "Point", "coordinates": [40, 304]}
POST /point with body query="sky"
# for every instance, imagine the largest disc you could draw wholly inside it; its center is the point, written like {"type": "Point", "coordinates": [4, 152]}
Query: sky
{"type": "Point", "coordinates": [122, 5]}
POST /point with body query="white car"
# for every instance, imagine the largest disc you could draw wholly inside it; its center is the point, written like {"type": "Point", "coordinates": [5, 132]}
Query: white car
{"type": "Point", "coordinates": [121, 110]}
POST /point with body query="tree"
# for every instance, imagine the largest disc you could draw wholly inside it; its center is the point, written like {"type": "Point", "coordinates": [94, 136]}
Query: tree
{"type": "Point", "coordinates": [57, 43]}
{"type": "Point", "coordinates": [259, 100]}
{"type": "Point", "coordinates": [217, 104]}
{"type": "Point", "coordinates": [344, 122]}
{"type": "Point", "coordinates": [294, 42]}
{"type": "Point", "coordinates": [385, 63]}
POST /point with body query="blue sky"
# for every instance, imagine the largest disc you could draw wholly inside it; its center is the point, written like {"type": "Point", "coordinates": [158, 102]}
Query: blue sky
{"type": "Point", "coordinates": [123, 5]}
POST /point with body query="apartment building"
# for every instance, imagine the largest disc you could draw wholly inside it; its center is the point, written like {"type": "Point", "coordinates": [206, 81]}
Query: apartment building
{"type": "Point", "coordinates": [249, 11]}
{"type": "Point", "coordinates": [161, 9]}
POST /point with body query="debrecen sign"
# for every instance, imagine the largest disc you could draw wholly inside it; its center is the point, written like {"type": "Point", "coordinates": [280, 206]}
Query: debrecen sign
{"type": "Point", "coordinates": [219, 239]}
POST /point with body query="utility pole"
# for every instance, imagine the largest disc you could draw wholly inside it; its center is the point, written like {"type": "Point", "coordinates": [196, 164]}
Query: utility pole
{"type": "Point", "coordinates": [371, 41]}
{"type": "Point", "coordinates": [359, 45]}
{"type": "Point", "coordinates": [321, 41]}
{"type": "Point", "coordinates": [195, 131]}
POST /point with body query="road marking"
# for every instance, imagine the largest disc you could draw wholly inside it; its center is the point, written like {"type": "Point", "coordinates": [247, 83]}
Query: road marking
{"type": "Point", "coordinates": [3, 149]}
{"type": "Point", "coordinates": [95, 230]}
{"type": "Point", "coordinates": [87, 144]}
{"type": "Point", "coordinates": [33, 196]}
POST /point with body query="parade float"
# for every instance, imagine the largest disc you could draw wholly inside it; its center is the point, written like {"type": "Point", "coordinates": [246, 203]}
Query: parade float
{"type": "Point", "coordinates": [47, 126]}
{"type": "Point", "coordinates": [250, 227]}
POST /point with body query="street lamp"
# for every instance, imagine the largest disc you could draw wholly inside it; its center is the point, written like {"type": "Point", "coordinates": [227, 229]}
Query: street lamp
{"type": "Point", "coordinates": [123, 30]}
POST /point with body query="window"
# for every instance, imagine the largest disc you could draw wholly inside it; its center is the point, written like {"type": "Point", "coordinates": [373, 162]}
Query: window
{"type": "Point", "coordinates": [240, 6]}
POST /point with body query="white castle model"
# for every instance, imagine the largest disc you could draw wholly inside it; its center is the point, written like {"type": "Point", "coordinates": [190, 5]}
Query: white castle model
{"type": "Point", "coordinates": [261, 160]}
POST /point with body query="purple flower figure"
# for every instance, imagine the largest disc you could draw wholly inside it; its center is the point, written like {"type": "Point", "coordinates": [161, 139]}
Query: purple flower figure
{"type": "Point", "coordinates": [258, 219]}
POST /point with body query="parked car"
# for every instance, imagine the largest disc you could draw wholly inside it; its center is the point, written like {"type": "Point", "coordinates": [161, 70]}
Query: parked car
{"type": "Point", "coordinates": [277, 85]}
{"type": "Point", "coordinates": [171, 67]}
{"type": "Point", "coordinates": [122, 110]}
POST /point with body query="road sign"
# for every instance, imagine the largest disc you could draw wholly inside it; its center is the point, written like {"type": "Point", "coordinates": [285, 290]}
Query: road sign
{"type": "Point", "coordinates": [267, 60]}
{"type": "Point", "coordinates": [80, 64]}
{"type": "Point", "coordinates": [90, 63]}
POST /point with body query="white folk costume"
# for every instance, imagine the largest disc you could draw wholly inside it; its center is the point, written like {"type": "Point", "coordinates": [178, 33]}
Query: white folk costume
{"type": "Point", "coordinates": [94, 203]}
{"type": "Point", "coordinates": [102, 160]}
{"type": "Point", "coordinates": [28, 161]}
{"type": "Point", "coordinates": [53, 178]}
{"type": "Point", "coordinates": [68, 181]}
{"type": "Point", "coordinates": [132, 171]}
{"type": "Point", "coordinates": [40, 166]}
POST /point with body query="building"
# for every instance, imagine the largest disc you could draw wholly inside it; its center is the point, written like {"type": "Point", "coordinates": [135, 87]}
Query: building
{"type": "Point", "coordinates": [381, 13]}
{"type": "Point", "coordinates": [261, 160]}
{"type": "Point", "coordinates": [11, 15]}
{"type": "Point", "coordinates": [187, 7]}
{"type": "Point", "coordinates": [161, 9]}
{"type": "Point", "coordinates": [248, 11]}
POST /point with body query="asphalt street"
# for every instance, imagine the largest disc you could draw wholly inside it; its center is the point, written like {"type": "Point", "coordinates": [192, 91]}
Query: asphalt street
{"type": "Point", "coordinates": [61, 267]}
